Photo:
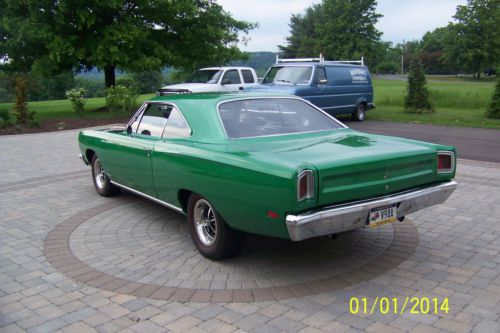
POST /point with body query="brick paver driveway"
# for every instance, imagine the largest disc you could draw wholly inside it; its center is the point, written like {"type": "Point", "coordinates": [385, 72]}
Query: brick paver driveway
{"type": "Point", "coordinates": [73, 261]}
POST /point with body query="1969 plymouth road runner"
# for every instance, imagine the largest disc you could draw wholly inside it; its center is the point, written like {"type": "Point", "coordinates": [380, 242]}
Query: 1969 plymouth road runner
{"type": "Point", "coordinates": [273, 165]}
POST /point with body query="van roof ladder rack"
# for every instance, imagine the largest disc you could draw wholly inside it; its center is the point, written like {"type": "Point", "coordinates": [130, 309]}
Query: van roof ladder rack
{"type": "Point", "coordinates": [321, 60]}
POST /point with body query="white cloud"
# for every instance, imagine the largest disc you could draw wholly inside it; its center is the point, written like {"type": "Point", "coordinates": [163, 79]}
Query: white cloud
{"type": "Point", "coordinates": [406, 20]}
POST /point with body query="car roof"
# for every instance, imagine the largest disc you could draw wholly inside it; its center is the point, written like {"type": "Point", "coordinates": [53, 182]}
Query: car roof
{"type": "Point", "coordinates": [199, 109]}
{"type": "Point", "coordinates": [216, 97]}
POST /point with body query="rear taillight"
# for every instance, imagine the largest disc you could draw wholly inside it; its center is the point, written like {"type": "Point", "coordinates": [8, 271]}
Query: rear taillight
{"type": "Point", "coordinates": [305, 185]}
{"type": "Point", "coordinates": [445, 161]}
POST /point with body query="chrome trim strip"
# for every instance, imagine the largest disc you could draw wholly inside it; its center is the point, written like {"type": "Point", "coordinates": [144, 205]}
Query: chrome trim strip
{"type": "Point", "coordinates": [340, 106]}
{"type": "Point", "coordinates": [355, 215]}
{"type": "Point", "coordinates": [335, 95]}
{"type": "Point", "coordinates": [163, 203]}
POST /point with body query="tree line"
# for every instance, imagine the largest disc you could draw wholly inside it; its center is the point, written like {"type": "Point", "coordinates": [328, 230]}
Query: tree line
{"type": "Point", "coordinates": [346, 30]}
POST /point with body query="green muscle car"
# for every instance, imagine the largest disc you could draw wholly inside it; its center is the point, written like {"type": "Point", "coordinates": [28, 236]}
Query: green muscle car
{"type": "Point", "coordinates": [268, 164]}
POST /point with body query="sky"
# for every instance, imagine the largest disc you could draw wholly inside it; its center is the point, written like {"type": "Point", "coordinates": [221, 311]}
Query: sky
{"type": "Point", "coordinates": [402, 20]}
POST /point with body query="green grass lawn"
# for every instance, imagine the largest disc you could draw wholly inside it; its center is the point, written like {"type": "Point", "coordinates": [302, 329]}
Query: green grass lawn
{"type": "Point", "coordinates": [457, 103]}
{"type": "Point", "coordinates": [62, 108]}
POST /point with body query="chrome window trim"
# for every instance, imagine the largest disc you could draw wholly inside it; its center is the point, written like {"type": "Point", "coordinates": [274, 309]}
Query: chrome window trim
{"type": "Point", "coordinates": [340, 106]}
{"type": "Point", "coordinates": [273, 97]}
{"type": "Point", "coordinates": [449, 153]}
{"type": "Point", "coordinates": [182, 115]}
{"type": "Point", "coordinates": [140, 112]}
{"type": "Point", "coordinates": [137, 114]}
{"type": "Point", "coordinates": [161, 202]}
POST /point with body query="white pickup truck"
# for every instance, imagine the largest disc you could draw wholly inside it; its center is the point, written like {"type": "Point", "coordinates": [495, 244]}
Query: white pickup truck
{"type": "Point", "coordinates": [214, 79]}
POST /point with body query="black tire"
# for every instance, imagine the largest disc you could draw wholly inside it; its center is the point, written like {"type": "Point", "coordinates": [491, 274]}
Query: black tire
{"type": "Point", "coordinates": [211, 234]}
{"type": "Point", "coordinates": [101, 181]}
{"type": "Point", "coordinates": [360, 113]}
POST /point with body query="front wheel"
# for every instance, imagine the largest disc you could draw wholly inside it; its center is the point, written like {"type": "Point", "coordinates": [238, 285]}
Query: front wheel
{"type": "Point", "coordinates": [101, 180]}
{"type": "Point", "coordinates": [359, 114]}
{"type": "Point", "coordinates": [211, 234]}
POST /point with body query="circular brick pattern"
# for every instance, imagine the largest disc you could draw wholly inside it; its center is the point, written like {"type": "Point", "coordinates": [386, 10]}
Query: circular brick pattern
{"type": "Point", "coordinates": [132, 246]}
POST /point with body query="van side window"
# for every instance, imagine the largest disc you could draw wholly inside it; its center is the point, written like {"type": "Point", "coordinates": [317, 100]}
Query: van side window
{"type": "Point", "coordinates": [320, 74]}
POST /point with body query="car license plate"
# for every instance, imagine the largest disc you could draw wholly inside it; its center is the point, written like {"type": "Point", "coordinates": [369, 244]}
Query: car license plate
{"type": "Point", "coordinates": [383, 215]}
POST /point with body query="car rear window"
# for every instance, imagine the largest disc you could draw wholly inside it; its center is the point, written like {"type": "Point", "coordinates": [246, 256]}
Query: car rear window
{"type": "Point", "coordinates": [272, 116]}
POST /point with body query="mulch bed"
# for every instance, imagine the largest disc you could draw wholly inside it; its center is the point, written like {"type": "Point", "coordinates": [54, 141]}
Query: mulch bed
{"type": "Point", "coordinates": [54, 125]}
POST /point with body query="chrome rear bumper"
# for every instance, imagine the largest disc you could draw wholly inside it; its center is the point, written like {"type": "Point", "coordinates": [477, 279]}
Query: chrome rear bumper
{"type": "Point", "coordinates": [334, 219]}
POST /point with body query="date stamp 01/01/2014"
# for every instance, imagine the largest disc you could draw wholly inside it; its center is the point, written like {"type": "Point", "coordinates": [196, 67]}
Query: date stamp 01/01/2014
{"type": "Point", "coordinates": [395, 305]}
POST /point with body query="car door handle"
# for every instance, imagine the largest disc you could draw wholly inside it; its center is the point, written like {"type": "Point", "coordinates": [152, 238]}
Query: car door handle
{"type": "Point", "coordinates": [147, 151]}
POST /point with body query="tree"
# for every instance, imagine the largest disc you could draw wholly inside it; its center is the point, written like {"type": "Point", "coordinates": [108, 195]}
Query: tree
{"type": "Point", "coordinates": [54, 36]}
{"type": "Point", "coordinates": [475, 42]}
{"type": "Point", "coordinates": [494, 108]}
{"type": "Point", "coordinates": [148, 82]}
{"type": "Point", "coordinates": [417, 97]}
{"type": "Point", "coordinates": [337, 29]}
{"type": "Point", "coordinates": [431, 51]}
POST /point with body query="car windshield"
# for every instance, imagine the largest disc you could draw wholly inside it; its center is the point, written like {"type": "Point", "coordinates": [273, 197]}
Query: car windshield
{"type": "Point", "coordinates": [205, 76]}
{"type": "Point", "coordinates": [288, 75]}
{"type": "Point", "coordinates": [272, 116]}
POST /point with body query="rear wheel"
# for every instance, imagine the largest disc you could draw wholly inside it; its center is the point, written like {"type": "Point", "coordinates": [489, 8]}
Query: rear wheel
{"type": "Point", "coordinates": [211, 234]}
{"type": "Point", "coordinates": [101, 180]}
{"type": "Point", "coordinates": [359, 114]}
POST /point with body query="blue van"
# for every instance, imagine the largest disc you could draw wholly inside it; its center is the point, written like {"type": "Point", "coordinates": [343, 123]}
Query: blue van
{"type": "Point", "coordinates": [337, 87]}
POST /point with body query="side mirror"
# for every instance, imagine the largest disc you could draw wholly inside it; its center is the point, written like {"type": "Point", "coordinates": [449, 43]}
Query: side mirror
{"type": "Point", "coordinates": [129, 129]}
{"type": "Point", "coordinates": [323, 81]}
{"type": "Point", "coordinates": [226, 81]}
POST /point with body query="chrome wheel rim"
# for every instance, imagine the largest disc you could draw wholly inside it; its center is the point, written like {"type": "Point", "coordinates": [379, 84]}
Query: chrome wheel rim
{"type": "Point", "coordinates": [205, 222]}
{"type": "Point", "coordinates": [99, 175]}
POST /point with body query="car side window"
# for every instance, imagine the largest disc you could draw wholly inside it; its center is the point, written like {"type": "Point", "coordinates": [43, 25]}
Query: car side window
{"type": "Point", "coordinates": [320, 74]}
{"type": "Point", "coordinates": [247, 76]}
{"type": "Point", "coordinates": [231, 77]}
{"type": "Point", "coordinates": [176, 127]}
{"type": "Point", "coordinates": [153, 119]}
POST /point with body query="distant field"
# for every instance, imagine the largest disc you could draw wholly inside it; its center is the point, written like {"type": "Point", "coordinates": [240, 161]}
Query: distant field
{"type": "Point", "coordinates": [457, 103]}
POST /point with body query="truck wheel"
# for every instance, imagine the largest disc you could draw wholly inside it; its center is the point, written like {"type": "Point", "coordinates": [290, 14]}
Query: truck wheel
{"type": "Point", "coordinates": [359, 114]}
{"type": "Point", "coordinates": [101, 181]}
{"type": "Point", "coordinates": [211, 235]}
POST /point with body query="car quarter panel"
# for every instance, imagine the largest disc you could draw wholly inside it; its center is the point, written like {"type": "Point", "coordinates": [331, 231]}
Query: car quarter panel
{"type": "Point", "coordinates": [241, 189]}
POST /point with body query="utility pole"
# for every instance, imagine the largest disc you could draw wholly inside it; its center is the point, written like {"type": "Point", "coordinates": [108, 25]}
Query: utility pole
{"type": "Point", "coordinates": [402, 58]}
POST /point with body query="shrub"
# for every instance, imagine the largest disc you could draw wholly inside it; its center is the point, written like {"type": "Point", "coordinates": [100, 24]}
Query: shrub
{"type": "Point", "coordinates": [23, 114]}
{"type": "Point", "coordinates": [128, 82]}
{"type": "Point", "coordinates": [77, 98]}
{"type": "Point", "coordinates": [417, 97]}
{"type": "Point", "coordinates": [494, 107]}
{"type": "Point", "coordinates": [6, 119]}
{"type": "Point", "coordinates": [120, 98]}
